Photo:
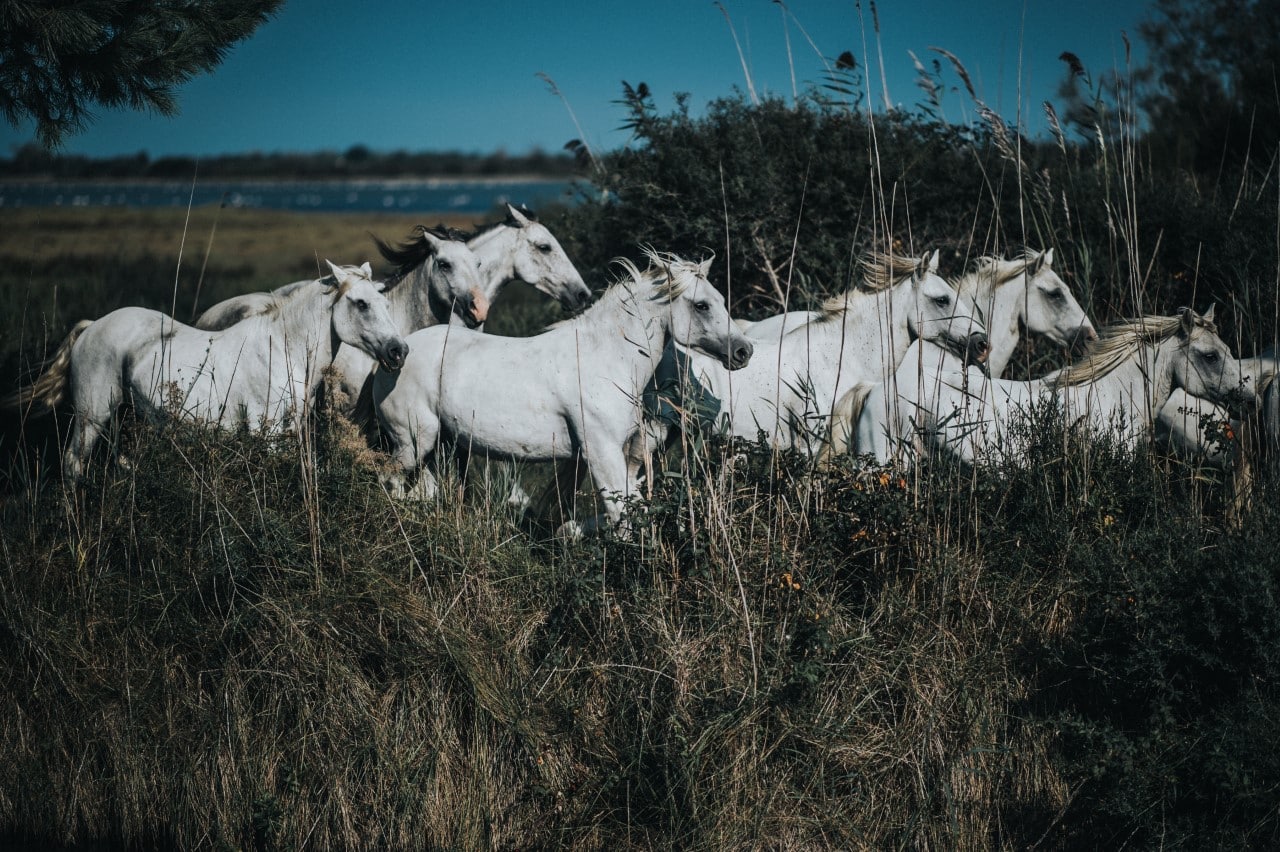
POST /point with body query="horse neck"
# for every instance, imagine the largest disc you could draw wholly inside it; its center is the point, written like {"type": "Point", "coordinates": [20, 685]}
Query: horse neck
{"type": "Point", "coordinates": [1143, 381]}
{"type": "Point", "coordinates": [632, 320]}
{"type": "Point", "coordinates": [411, 302]}
{"type": "Point", "coordinates": [303, 328]}
{"type": "Point", "coordinates": [1002, 313]}
{"type": "Point", "coordinates": [495, 249]}
{"type": "Point", "coordinates": [889, 323]}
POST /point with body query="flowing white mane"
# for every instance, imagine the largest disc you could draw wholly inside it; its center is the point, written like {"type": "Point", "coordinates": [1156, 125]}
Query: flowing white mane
{"type": "Point", "coordinates": [990, 272]}
{"type": "Point", "coordinates": [1118, 342]}
{"type": "Point", "coordinates": [668, 275]}
{"type": "Point", "coordinates": [880, 272]}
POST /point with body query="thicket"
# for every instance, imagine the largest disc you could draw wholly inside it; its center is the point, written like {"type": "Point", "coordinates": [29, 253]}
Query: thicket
{"type": "Point", "coordinates": [788, 194]}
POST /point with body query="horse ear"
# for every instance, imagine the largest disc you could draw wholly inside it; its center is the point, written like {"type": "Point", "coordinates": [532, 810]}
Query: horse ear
{"type": "Point", "coordinates": [366, 270]}
{"type": "Point", "coordinates": [431, 240]}
{"type": "Point", "coordinates": [336, 271]}
{"type": "Point", "coordinates": [1033, 268]}
{"type": "Point", "coordinates": [518, 217]}
{"type": "Point", "coordinates": [1208, 315]}
{"type": "Point", "coordinates": [1188, 320]}
{"type": "Point", "coordinates": [1047, 257]}
{"type": "Point", "coordinates": [704, 268]}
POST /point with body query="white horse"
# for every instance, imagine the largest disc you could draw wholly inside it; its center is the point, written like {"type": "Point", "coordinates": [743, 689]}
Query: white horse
{"type": "Point", "coordinates": [572, 391]}
{"type": "Point", "coordinates": [1196, 427]}
{"type": "Point", "coordinates": [520, 248]}
{"type": "Point", "coordinates": [444, 283]}
{"type": "Point", "coordinates": [1012, 296]}
{"type": "Point", "coordinates": [1023, 295]}
{"type": "Point", "coordinates": [792, 384]}
{"type": "Point", "coordinates": [262, 372]}
{"type": "Point", "coordinates": [936, 405]}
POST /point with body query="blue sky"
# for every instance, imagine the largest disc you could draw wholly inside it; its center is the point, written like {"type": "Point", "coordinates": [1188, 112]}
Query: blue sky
{"type": "Point", "coordinates": [396, 74]}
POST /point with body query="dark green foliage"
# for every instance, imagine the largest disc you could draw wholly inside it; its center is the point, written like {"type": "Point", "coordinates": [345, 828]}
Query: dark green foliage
{"type": "Point", "coordinates": [1211, 83]}
{"type": "Point", "coordinates": [789, 195]}
{"type": "Point", "coordinates": [58, 59]}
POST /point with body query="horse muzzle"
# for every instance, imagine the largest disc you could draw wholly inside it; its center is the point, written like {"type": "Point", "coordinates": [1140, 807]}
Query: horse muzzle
{"type": "Point", "coordinates": [1244, 397]}
{"type": "Point", "coordinates": [394, 355]}
{"type": "Point", "coordinates": [977, 348]}
{"type": "Point", "coordinates": [474, 309]}
{"type": "Point", "coordinates": [738, 355]}
{"type": "Point", "coordinates": [575, 296]}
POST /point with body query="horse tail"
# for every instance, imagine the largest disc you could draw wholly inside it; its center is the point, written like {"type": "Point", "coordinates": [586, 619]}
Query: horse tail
{"type": "Point", "coordinates": [844, 421]}
{"type": "Point", "coordinates": [50, 389]}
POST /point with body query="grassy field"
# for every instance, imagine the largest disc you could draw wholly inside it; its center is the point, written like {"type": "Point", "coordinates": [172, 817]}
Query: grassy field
{"type": "Point", "coordinates": [230, 642]}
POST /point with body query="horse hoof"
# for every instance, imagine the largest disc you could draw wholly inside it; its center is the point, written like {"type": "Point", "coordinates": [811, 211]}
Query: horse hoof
{"type": "Point", "coordinates": [519, 498]}
{"type": "Point", "coordinates": [569, 531]}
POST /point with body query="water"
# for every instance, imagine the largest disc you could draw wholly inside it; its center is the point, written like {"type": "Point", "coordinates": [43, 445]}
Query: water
{"type": "Point", "coordinates": [428, 195]}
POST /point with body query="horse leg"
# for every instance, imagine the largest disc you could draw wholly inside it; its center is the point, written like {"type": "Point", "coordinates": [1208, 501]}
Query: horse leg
{"type": "Point", "coordinates": [85, 432]}
{"type": "Point", "coordinates": [609, 472]}
{"type": "Point", "coordinates": [411, 447]}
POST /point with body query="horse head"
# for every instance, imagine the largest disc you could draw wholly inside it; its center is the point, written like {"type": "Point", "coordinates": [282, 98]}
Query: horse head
{"type": "Point", "coordinates": [1048, 307]}
{"type": "Point", "coordinates": [938, 313]}
{"type": "Point", "coordinates": [362, 316]}
{"type": "Point", "coordinates": [453, 278]}
{"type": "Point", "coordinates": [540, 261]}
{"type": "Point", "coordinates": [699, 319]}
{"type": "Point", "coordinates": [1204, 365]}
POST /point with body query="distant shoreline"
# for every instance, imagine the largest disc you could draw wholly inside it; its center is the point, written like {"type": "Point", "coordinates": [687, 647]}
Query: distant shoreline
{"type": "Point", "coordinates": [258, 180]}
{"type": "Point", "coordinates": [323, 193]}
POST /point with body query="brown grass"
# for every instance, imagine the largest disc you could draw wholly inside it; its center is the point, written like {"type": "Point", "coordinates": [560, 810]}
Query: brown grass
{"type": "Point", "coordinates": [280, 246]}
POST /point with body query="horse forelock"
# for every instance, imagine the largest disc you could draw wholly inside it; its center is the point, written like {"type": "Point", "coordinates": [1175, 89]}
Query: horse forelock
{"type": "Point", "coordinates": [1119, 341]}
{"type": "Point", "coordinates": [669, 274]}
{"type": "Point", "coordinates": [996, 271]}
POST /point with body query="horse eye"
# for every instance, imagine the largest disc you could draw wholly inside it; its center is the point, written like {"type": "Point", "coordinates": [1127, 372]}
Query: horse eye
{"type": "Point", "coordinates": [942, 301]}
{"type": "Point", "coordinates": [1209, 357]}
{"type": "Point", "coordinates": [1056, 295]}
{"type": "Point", "coordinates": [545, 248]}
{"type": "Point", "coordinates": [702, 306]}
{"type": "Point", "coordinates": [445, 265]}
{"type": "Point", "coordinates": [362, 305]}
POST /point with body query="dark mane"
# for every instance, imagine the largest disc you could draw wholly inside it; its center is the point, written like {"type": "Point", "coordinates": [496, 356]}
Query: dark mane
{"type": "Point", "coordinates": [414, 251]}
{"type": "Point", "coordinates": [508, 222]}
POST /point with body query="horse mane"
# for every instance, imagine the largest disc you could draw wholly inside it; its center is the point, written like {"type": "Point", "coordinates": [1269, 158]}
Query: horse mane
{"type": "Point", "coordinates": [1118, 342]}
{"type": "Point", "coordinates": [415, 250]}
{"type": "Point", "coordinates": [997, 270]}
{"type": "Point", "coordinates": [329, 286]}
{"type": "Point", "coordinates": [880, 272]}
{"type": "Point", "coordinates": [508, 221]}
{"type": "Point", "coordinates": [667, 273]}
